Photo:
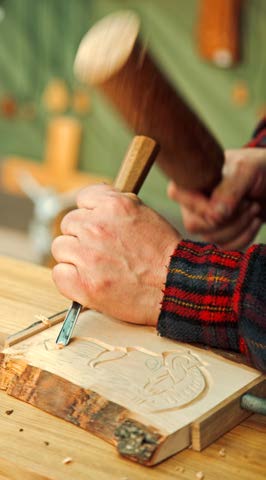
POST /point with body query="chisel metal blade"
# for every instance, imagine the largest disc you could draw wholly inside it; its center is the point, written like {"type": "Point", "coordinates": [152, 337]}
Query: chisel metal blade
{"type": "Point", "coordinates": [69, 324]}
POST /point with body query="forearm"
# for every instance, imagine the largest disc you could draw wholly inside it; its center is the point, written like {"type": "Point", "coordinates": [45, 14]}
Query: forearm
{"type": "Point", "coordinates": [217, 298]}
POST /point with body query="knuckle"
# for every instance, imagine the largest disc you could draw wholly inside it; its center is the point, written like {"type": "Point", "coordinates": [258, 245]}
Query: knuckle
{"type": "Point", "coordinates": [66, 222]}
{"type": "Point", "coordinates": [85, 193]}
{"type": "Point", "coordinates": [99, 229]}
{"type": "Point", "coordinates": [56, 274]}
{"type": "Point", "coordinates": [81, 195]}
{"type": "Point", "coordinates": [114, 203]}
{"type": "Point", "coordinates": [56, 245]}
{"type": "Point", "coordinates": [190, 225]}
{"type": "Point", "coordinates": [99, 286]}
{"type": "Point", "coordinates": [122, 204]}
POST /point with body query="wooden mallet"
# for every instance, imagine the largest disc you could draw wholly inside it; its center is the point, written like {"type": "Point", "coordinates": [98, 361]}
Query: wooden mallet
{"type": "Point", "coordinates": [112, 57]}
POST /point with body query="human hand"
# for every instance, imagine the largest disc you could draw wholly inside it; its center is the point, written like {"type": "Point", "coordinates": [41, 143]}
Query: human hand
{"type": "Point", "coordinates": [113, 255]}
{"type": "Point", "coordinates": [233, 214]}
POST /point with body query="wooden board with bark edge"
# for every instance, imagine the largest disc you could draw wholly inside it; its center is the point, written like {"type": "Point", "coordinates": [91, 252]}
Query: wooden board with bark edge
{"type": "Point", "coordinates": [134, 433]}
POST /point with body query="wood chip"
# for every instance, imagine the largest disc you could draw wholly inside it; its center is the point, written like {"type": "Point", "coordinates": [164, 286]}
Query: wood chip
{"type": "Point", "coordinates": [222, 452]}
{"type": "Point", "coordinates": [43, 319]}
{"type": "Point", "coordinates": [9, 412]}
{"type": "Point", "coordinates": [200, 475]}
{"type": "Point", "coordinates": [67, 460]}
{"type": "Point", "coordinates": [180, 469]}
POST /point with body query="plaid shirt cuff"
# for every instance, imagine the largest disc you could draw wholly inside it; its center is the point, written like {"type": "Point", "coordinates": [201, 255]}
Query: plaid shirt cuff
{"type": "Point", "coordinates": [198, 296]}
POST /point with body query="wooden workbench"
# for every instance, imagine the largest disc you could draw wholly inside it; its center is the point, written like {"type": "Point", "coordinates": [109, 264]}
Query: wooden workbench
{"type": "Point", "coordinates": [33, 444]}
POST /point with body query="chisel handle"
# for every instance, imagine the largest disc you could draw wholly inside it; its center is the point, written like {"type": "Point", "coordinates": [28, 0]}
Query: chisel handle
{"type": "Point", "coordinates": [132, 173]}
{"type": "Point", "coordinates": [136, 165]}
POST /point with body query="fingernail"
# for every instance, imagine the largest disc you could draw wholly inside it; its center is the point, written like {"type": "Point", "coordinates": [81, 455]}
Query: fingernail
{"type": "Point", "coordinates": [222, 210]}
{"type": "Point", "coordinates": [217, 213]}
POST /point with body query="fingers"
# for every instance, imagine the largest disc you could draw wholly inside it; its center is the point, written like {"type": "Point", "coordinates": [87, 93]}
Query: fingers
{"type": "Point", "coordinates": [227, 196]}
{"type": "Point", "coordinates": [233, 228]}
{"type": "Point", "coordinates": [246, 237]}
{"type": "Point", "coordinates": [194, 223]}
{"type": "Point", "coordinates": [194, 201]}
{"type": "Point", "coordinates": [89, 197]}
{"type": "Point", "coordinates": [237, 231]}
{"type": "Point", "coordinates": [67, 280]}
{"type": "Point", "coordinates": [74, 221]}
{"type": "Point", "coordinates": [66, 249]}
{"type": "Point", "coordinates": [239, 174]}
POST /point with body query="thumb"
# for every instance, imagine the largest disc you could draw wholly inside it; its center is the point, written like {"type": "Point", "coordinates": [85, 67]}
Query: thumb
{"type": "Point", "coordinates": [233, 188]}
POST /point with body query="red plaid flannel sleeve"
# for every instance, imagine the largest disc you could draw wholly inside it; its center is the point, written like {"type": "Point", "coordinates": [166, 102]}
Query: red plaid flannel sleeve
{"type": "Point", "coordinates": [217, 297]}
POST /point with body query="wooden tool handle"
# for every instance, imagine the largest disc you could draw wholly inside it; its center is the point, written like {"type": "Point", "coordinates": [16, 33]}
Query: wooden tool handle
{"type": "Point", "coordinates": [113, 58]}
{"type": "Point", "coordinates": [136, 165]}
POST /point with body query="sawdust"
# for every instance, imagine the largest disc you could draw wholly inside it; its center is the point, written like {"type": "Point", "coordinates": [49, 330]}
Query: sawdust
{"type": "Point", "coordinates": [179, 469]}
{"type": "Point", "coordinates": [9, 412]}
{"type": "Point", "coordinates": [200, 475]}
{"type": "Point", "coordinates": [222, 452]}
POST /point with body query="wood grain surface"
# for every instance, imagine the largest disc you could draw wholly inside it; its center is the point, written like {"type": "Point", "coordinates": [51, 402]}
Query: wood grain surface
{"type": "Point", "coordinates": [33, 443]}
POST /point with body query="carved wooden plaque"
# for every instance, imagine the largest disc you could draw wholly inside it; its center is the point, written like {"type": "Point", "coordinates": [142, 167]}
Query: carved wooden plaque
{"type": "Point", "coordinates": [123, 382]}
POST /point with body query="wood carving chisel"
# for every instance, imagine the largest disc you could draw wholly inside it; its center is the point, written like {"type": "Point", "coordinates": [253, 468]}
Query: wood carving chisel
{"type": "Point", "coordinates": [133, 171]}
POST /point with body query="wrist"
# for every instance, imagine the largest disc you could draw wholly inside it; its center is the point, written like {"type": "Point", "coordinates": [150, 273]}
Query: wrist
{"type": "Point", "coordinates": [158, 275]}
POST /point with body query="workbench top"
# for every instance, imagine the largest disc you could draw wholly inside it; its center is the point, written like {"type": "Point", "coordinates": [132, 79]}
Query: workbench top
{"type": "Point", "coordinates": [33, 444]}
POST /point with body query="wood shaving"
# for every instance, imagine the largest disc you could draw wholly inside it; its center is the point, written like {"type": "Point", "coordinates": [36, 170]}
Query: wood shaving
{"type": "Point", "coordinates": [200, 475]}
{"type": "Point", "coordinates": [67, 460]}
{"type": "Point", "coordinates": [180, 469]}
{"type": "Point", "coordinates": [9, 412]}
{"type": "Point", "coordinates": [222, 452]}
{"type": "Point", "coordinates": [43, 319]}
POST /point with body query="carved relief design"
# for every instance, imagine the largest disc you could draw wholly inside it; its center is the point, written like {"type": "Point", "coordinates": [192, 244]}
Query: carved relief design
{"type": "Point", "coordinates": [148, 381]}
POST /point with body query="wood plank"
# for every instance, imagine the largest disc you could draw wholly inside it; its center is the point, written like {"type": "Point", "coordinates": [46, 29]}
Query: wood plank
{"type": "Point", "coordinates": [223, 417]}
{"type": "Point", "coordinates": [126, 373]}
{"type": "Point", "coordinates": [26, 290]}
{"type": "Point", "coordinates": [244, 445]}
{"type": "Point", "coordinates": [11, 471]}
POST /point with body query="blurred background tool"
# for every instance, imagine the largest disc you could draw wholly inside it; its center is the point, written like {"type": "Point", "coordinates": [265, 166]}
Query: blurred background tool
{"type": "Point", "coordinates": [51, 185]}
{"type": "Point", "coordinates": [219, 36]}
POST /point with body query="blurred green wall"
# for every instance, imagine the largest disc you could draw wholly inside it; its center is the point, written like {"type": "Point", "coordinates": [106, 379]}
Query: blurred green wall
{"type": "Point", "coordinates": [38, 41]}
